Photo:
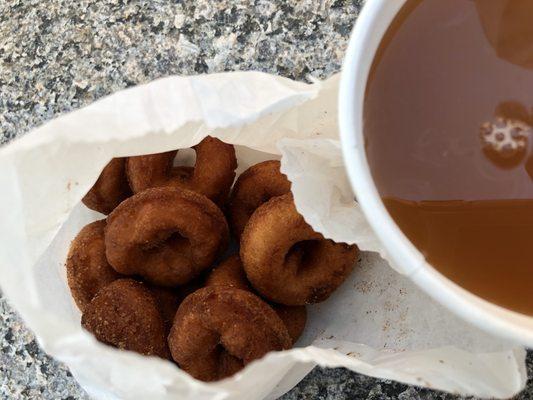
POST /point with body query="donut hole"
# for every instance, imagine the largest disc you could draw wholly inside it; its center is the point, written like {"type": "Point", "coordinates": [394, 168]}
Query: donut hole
{"type": "Point", "coordinates": [183, 165]}
{"type": "Point", "coordinates": [264, 198]}
{"type": "Point", "coordinates": [182, 173]}
{"type": "Point", "coordinates": [185, 158]}
{"type": "Point", "coordinates": [227, 363]}
{"type": "Point", "coordinates": [170, 239]}
{"type": "Point", "coordinates": [302, 255]}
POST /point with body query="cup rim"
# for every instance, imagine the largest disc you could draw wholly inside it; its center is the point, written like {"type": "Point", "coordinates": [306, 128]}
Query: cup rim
{"type": "Point", "coordinates": [372, 23]}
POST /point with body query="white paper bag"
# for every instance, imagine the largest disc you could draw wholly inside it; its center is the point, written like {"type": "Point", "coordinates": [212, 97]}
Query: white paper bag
{"type": "Point", "coordinates": [378, 323]}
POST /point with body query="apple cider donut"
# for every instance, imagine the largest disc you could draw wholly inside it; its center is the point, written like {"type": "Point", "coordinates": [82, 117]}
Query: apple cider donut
{"type": "Point", "coordinates": [286, 261]}
{"type": "Point", "coordinates": [87, 268]}
{"type": "Point", "coordinates": [125, 314]}
{"type": "Point", "coordinates": [230, 273]}
{"type": "Point", "coordinates": [253, 187]}
{"type": "Point", "coordinates": [110, 189]}
{"type": "Point", "coordinates": [218, 330]}
{"type": "Point", "coordinates": [212, 175]}
{"type": "Point", "coordinates": [166, 235]}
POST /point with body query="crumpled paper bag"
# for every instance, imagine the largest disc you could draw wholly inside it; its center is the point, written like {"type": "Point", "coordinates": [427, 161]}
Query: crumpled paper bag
{"type": "Point", "coordinates": [378, 323]}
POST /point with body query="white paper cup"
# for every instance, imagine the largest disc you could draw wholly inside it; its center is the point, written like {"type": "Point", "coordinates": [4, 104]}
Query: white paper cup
{"type": "Point", "coordinates": [371, 25]}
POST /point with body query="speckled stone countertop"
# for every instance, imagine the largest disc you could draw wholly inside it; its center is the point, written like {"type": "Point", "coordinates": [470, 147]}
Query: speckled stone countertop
{"type": "Point", "coordinates": [58, 55]}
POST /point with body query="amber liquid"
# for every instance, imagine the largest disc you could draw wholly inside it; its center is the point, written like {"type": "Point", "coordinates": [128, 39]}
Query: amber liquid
{"type": "Point", "coordinates": [448, 122]}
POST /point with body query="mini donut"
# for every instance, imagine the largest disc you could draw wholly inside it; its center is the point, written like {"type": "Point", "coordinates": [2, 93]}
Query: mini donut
{"type": "Point", "coordinates": [212, 175]}
{"type": "Point", "coordinates": [125, 314]}
{"type": "Point", "coordinates": [218, 330]}
{"type": "Point", "coordinates": [230, 273]}
{"type": "Point", "coordinates": [286, 261]}
{"type": "Point", "coordinates": [166, 235]}
{"type": "Point", "coordinates": [87, 268]}
{"type": "Point", "coordinates": [110, 189]}
{"type": "Point", "coordinates": [253, 187]}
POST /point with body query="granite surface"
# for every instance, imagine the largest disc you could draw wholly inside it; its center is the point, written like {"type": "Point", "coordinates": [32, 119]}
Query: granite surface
{"type": "Point", "coordinates": [58, 55]}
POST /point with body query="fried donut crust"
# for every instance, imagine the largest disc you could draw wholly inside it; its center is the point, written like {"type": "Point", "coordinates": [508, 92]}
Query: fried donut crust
{"type": "Point", "coordinates": [125, 314]}
{"type": "Point", "coordinates": [166, 235]}
{"type": "Point", "coordinates": [219, 329]}
{"type": "Point", "coordinates": [286, 261]}
{"type": "Point", "coordinates": [110, 189]}
{"type": "Point", "coordinates": [87, 268]}
{"type": "Point", "coordinates": [230, 273]}
{"type": "Point", "coordinates": [253, 187]}
{"type": "Point", "coordinates": [212, 175]}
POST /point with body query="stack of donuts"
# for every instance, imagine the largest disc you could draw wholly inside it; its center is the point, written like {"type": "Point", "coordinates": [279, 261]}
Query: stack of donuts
{"type": "Point", "coordinates": [155, 276]}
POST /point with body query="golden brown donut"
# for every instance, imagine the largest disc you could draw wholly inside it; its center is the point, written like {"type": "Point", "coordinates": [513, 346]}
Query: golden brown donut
{"type": "Point", "coordinates": [212, 174]}
{"type": "Point", "coordinates": [230, 273]}
{"type": "Point", "coordinates": [87, 268]}
{"type": "Point", "coordinates": [286, 261]}
{"type": "Point", "coordinates": [125, 314]}
{"type": "Point", "coordinates": [166, 235]}
{"type": "Point", "coordinates": [110, 189]}
{"type": "Point", "coordinates": [217, 328]}
{"type": "Point", "coordinates": [253, 187]}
